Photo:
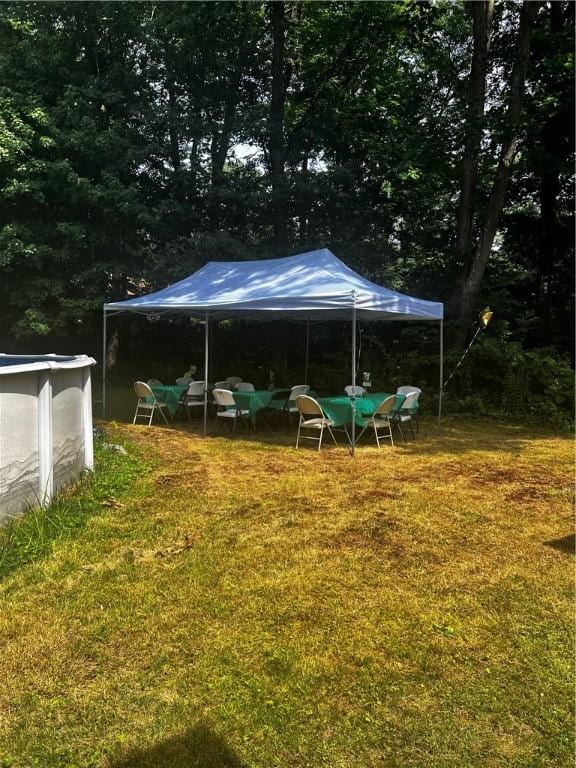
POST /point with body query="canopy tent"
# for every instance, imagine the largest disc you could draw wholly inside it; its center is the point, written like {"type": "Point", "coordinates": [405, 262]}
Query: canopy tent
{"type": "Point", "coordinates": [305, 287]}
{"type": "Point", "coordinates": [291, 288]}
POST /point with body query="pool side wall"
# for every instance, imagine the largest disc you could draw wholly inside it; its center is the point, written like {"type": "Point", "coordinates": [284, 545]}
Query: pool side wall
{"type": "Point", "coordinates": [45, 428]}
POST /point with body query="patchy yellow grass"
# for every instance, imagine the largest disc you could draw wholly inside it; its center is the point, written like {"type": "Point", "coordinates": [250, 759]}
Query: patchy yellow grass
{"type": "Point", "coordinates": [252, 605]}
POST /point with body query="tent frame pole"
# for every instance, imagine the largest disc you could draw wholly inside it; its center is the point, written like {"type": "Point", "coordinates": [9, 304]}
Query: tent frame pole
{"type": "Point", "coordinates": [353, 399]}
{"type": "Point", "coordinates": [206, 361]}
{"type": "Point", "coordinates": [104, 366]}
{"type": "Point", "coordinates": [441, 376]}
{"type": "Point", "coordinates": [307, 350]}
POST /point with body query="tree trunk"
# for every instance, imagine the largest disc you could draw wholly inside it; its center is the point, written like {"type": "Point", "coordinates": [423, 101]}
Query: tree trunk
{"type": "Point", "coordinates": [194, 167]}
{"type": "Point", "coordinates": [276, 123]}
{"type": "Point", "coordinates": [463, 301]}
{"type": "Point", "coordinates": [548, 193]}
{"type": "Point", "coordinates": [220, 143]}
{"type": "Point", "coordinates": [219, 146]}
{"type": "Point", "coordinates": [482, 23]}
{"type": "Point", "coordinates": [304, 203]}
{"type": "Point", "coordinates": [118, 293]}
{"type": "Point", "coordinates": [112, 349]}
{"type": "Point", "coordinates": [549, 189]}
{"type": "Point", "coordinates": [172, 124]}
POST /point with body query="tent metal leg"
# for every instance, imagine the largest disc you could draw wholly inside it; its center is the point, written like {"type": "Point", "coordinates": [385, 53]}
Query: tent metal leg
{"type": "Point", "coordinates": [206, 360]}
{"type": "Point", "coordinates": [441, 382]}
{"type": "Point", "coordinates": [353, 403]}
{"type": "Point", "coordinates": [307, 351]}
{"type": "Point", "coordinates": [104, 367]}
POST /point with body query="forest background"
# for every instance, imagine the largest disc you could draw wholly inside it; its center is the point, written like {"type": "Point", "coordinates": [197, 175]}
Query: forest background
{"type": "Point", "coordinates": [430, 145]}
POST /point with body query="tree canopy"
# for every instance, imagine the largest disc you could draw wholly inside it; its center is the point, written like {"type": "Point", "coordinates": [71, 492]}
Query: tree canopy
{"type": "Point", "coordinates": [139, 140]}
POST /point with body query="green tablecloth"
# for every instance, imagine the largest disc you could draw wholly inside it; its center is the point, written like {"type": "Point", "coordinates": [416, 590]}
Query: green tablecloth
{"type": "Point", "coordinates": [339, 408]}
{"type": "Point", "coordinates": [171, 394]}
{"type": "Point", "coordinates": [255, 401]}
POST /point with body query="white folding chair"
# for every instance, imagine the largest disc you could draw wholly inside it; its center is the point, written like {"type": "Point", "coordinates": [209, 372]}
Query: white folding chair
{"type": "Point", "coordinates": [245, 386]}
{"type": "Point", "coordinates": [296, 391]}
{"type": "Point", "coordinates": [354, 390]}
{"type": "Point", "coordinates": [228, 409]}
{"type": "Point", "coordinates": [221, 385]}
{"type": "Point", "coordinates": [147, 402]}
{"type": "Point", "coordinates": [382, 417]}
{"type": "Point", "coordinates": [312, 417]}
{"type": "Point", "coordinates": [233, 381]}
{"type": "Point", "coordinates": [194, 397]}
{"type": "Point", "coordinates": [410, 391]}
{"type": "Point", "coordinates": [406, 413]}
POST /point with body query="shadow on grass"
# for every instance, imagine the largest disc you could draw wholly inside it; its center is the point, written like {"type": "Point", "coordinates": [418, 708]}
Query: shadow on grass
{"type": "Point", "coordinates": [566, 544]}
{"type": "Point", "coordinates": [457, 435]}
{"type": "Point", "coordinates": [198, 747]}
{"type": "Point", "coordinates": [452, 437]}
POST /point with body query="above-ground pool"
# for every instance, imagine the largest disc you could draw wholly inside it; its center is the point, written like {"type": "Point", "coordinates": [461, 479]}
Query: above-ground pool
{"type": "Point", "coordinates": [45, 427]}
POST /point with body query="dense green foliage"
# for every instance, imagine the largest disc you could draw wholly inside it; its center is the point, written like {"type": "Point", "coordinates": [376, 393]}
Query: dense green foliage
{"type": "Point", "coordinates": [136, 142]}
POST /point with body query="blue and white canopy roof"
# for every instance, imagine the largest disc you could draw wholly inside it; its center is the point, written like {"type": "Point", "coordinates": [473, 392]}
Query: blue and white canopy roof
{"type": "Point", "coordinates": [315, 285]}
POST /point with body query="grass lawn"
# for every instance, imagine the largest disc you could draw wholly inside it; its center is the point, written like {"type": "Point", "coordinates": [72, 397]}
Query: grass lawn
{"type": "Point", "coordinates": [219, 603]}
